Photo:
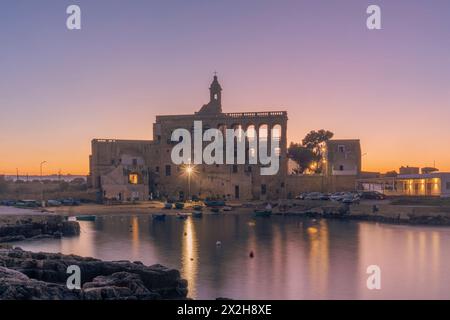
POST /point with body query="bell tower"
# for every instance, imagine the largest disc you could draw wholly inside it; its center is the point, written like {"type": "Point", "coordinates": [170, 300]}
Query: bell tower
{"type": "Point", "coordinates": [215, 92]}
{"type": "Point", "coordinates": [215, 98]}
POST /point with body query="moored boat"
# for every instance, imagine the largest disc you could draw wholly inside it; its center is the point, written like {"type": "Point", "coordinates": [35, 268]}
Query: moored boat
{"type": "Point", "coordinates": [263, 213]}
{"type": "Point", "coordinates": [215, 210]}
{"type": "Point", "coordinates": [179, 205]}
{"type": "Point", "coordinates": [86, 218]}
{"type": "Point", "coordinates": [168, 205]}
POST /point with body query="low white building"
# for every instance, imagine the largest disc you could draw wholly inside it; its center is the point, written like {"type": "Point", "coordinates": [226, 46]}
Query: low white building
{"type": "Point", "coordinates": [430, 184]}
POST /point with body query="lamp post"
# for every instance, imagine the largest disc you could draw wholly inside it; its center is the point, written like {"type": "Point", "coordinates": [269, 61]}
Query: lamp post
{"type": "Point", "coordinates": [41, 167]}
{"type": "Point", "coordinates": [42, 185]}
{"type": "Point", "coordinates": [189, 172]}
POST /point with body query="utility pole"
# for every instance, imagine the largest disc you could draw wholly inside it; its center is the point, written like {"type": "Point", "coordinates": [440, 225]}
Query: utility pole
{"type": "Point", "coordinates": [42, 185]}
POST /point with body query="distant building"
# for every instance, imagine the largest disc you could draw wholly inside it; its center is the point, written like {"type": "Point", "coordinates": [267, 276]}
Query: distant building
{"type": "Point", "coordinates": [425, 184]}
{"type": "Point", "coordinates": [409, 170]}
{"type": "Point", "coordinates": [341, 169]}
{"type": "Point", "coordinates": [427, 170]}
{"type": "Point", "coordinates": [342, 158]}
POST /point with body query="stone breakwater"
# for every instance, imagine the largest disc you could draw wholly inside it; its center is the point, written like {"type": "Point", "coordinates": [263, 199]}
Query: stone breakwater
{"type": "Point", "coordinates": [383, 214]}
{"type": "Point", "coordinates": [42, 276]}
{"type": "Point", "coordinates": [33, 228]}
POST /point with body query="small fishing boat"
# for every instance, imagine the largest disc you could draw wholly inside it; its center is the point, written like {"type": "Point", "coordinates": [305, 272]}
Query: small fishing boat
{"type": "Point", "coordinates": [179, 205]}
{"type": "Point", "coordinates": [159, 217]}
{"type": "Point", "coordinates": [263, 213]}
{"type": "Point", "coordinates": [167, 205]}
{"type": "Point", "coordinates": [198, 207]}
{"type": "Point", "coordinates": [214, 203]}
{"type": "Point", "coordinates": [266, 212]}
{"type": "Point", "coordinates": [227, 208]}
{"type": "Point", "coordinates": [197, 214]}
{"type": "Point", "coordinates": [215, 210]}
{"type": "Point", "coordinates": [86, 218]}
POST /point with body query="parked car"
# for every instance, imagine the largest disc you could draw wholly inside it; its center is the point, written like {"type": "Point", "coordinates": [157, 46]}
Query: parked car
{"type": "Point", "coordinates": [314, 196]}
{"type": "Point", "coordinates": [301, 196]}
{"type": "Point", "coordinates": [53, 203]}
{"type": "Point", "coordinates": [70, 202]}
{"type": "Point", "coordinates": [338, 196]}
{"type": "Point", "coordinates": [350, 199]}
{"type": "Point", "coordinates": [27, 204]}
{"type": "Point", "coordinates": [372, 195]}
{"type": "Point", "coordinates": [8, 203]}
{"type": "Point", "coordinates": [325, 196]}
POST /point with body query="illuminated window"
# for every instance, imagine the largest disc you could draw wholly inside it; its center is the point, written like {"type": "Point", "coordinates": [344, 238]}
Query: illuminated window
{"type": "Point", "coordinates": [133, 178]}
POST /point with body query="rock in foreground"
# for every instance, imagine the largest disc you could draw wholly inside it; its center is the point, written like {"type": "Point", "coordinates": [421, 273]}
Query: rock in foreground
{"type": "Point", "coordinates": [42, 276]}
{"type": "Point", "coordinates": [29, 228]}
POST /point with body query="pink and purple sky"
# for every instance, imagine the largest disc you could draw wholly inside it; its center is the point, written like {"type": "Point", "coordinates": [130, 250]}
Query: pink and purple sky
{"type": "Point", "coordinates": [136, 59]}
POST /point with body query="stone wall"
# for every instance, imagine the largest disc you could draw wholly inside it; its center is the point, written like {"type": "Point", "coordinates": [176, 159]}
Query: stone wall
{"type": "Point", "coordinates": [297, 184]}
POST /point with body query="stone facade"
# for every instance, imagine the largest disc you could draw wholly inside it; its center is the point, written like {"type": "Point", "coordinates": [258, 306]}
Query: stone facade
{"type": "Point", "coordinates": [138, 170]}
{"type": "Point", "coordinates": [114, 164]}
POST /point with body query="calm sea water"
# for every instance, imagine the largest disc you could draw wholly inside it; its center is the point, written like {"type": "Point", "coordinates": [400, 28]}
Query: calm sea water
{"type": "Point", "coordinates": [294, 258]}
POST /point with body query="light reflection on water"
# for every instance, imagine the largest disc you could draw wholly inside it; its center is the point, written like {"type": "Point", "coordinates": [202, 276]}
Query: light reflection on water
{"type": "Point", "coordinates": [294, 258]}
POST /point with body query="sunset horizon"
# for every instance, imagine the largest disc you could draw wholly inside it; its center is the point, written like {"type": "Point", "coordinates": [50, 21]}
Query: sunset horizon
{"type": "Point", "coordinates": [222, 159]}
{"type": "Point", "coordinates": [68, 88]}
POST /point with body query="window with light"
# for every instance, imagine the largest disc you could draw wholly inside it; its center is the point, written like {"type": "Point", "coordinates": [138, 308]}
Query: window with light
{"type": "Point", "coordinates": [133, 178]}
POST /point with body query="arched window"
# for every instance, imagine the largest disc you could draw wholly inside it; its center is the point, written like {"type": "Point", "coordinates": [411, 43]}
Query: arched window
{"type": "Point", "coordinates": [263, 133]}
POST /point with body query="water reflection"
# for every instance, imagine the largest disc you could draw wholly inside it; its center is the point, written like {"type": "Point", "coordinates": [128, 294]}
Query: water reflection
{"type": "Point", "coordinates": [190, 258]}
{"type": "Point", "coordinates": [293, 258]}
{"type": "Point", "coordinates": [318, 258]}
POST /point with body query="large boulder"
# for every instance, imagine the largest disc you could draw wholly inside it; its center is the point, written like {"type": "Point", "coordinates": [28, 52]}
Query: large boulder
{"type": "Point", "coordinates": [99, 279]}
{"type": "Point", "coordinates": [52, 226]}
{"type": "Point", "coordinates": [15, 285]}
{"type": "Point", "coordinates": [119, 285]}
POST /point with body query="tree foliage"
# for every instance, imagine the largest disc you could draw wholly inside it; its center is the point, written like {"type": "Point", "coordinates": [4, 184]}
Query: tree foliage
{"type": "Point", "coordinates": [313, 139]}
{"type": "Point", "coordinates": [308, 155]}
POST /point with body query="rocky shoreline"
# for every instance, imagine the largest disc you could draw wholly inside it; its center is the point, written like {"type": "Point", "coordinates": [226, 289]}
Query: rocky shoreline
{"type": "Point", "coordinates": [33, 228]}
{"type": "Point", "coordinates": [352, 213]}
{"type": "Point", "coordinates": [42, 276]}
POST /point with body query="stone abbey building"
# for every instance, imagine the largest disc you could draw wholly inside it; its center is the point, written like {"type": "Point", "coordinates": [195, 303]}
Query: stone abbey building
{"type": "Point", "coordinates": [139, 169]}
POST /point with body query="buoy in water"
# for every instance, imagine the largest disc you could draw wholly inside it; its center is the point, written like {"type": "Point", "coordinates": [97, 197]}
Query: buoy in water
{"type": "Point", "coordinates": [218, 243]}
{"type": "Point", "coordinates": [251, 255]}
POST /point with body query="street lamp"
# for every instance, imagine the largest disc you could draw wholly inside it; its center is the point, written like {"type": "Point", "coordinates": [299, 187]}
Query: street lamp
{"type": "Point", "coordinates": [42, 186]}
{"type": "Point", "coordinates": [41, 167]}
{"type": "Point", "coordinates": [189, 171]}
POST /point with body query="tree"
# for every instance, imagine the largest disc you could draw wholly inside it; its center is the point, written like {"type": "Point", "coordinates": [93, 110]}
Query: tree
{"type": "Point", "coordinates": [301, 155]}
{"type": "Point", "coordinates": [313, 139]}
{"type": "Point", "coordinates": [309, 155]}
